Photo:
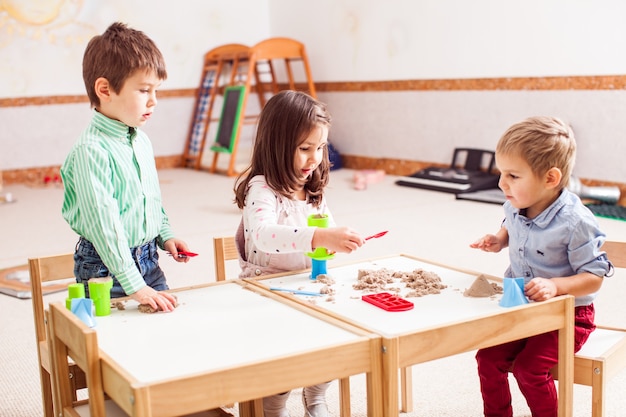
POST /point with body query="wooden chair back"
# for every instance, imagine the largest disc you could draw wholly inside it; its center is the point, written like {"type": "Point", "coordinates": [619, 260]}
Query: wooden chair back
{"type": "Point", "coordinates": [616, 251]}
{"type": "Point", "coordinates": [44, 270]}
{"type": "Point", "coordinates": [225, 249]}
{"type": "Point", "coordinates": [70, 338]}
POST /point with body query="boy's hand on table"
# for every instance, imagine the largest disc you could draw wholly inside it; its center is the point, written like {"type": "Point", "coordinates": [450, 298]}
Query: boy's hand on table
{"type": "Point", "coordinates": [540, 289]}
{"type": "Point", "coordinates": [158, 300]}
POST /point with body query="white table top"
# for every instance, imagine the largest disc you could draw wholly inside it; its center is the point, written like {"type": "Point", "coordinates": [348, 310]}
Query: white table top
{"type": "Point", "coordinates": [439, 325]}
{"type": "Point", "coordinates": [429, 311]}
{"type": "Point", "coordinates": [214, 328]}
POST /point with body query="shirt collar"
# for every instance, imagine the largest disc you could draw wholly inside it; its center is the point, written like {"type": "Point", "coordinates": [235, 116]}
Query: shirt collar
{"type": "Point", "coordinates": [114, 128]}
{"type": "Point", "coordinates": [545, 217]}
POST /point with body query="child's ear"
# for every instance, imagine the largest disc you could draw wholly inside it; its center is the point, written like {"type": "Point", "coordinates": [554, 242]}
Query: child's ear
{"type": "Point", "coordinates": [553, 177]}
{"type": "Point", "coordinates": [103, 89]}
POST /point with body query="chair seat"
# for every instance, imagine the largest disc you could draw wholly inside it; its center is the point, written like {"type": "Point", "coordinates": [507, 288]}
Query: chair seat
{"type": "Point", "coordinates": [111, 409]}
{"type": "Point", "coordinates": [601, 342]}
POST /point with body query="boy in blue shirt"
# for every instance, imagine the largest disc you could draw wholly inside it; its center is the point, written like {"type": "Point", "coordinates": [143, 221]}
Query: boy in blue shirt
{"type": "Point", "coordinates": [555, 243]}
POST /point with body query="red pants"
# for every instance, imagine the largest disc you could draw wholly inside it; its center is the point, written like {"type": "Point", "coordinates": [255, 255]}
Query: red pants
{"type": "Point", "coordinates": [530, 361]}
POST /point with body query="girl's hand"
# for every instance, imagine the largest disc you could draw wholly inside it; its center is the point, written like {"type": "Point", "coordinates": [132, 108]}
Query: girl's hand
{"type": "Point", "coordinates": [337, 239]}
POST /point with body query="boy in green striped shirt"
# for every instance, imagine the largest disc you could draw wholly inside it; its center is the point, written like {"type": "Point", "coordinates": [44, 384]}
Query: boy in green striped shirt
{"type": "Point", "coordinates": [112, 196]}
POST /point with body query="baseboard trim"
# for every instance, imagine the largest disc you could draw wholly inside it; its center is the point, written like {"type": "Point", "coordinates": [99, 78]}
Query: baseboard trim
{"type": "Point", "coordinates": [50, 175]}
{"type": "Point", "coordinates": [45, 176]}
{"type": "Point", "coordinates": [406, 167]}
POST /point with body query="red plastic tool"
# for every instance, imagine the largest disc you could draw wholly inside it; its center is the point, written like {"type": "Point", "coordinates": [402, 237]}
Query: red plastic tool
{"type": "Point", "coordinates": [379, 234]}
{"type": "Point", "coordinates": [183, 254]}
{"type": "Point", "coordinates": [388, 302]}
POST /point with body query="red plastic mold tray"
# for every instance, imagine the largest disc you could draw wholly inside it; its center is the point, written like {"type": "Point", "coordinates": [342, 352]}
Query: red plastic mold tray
{"type": "Point", "coordinates": [388, 302]}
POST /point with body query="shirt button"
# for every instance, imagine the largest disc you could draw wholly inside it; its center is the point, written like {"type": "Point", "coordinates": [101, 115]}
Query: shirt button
{"type": "Point", "coordinates": [257, 272]}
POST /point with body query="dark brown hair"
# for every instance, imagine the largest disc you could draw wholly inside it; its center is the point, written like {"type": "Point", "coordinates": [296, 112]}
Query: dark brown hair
{"type": "Point", "coordinates": [285, 122]}
{"type": "Point", "coordinates": [116, 55]}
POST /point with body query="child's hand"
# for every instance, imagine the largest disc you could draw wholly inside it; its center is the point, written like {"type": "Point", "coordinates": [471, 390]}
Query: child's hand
{"type": "Point", "coordinates": [158, 300]}
{"type": "Point", "coordinates": [488, 243]}
{"type": "Point", "coordinates": [173, 246]}
{"type": "Point", "coordinates": [337, 239]}
{"type": "Point", "coordinates": [540, 289]}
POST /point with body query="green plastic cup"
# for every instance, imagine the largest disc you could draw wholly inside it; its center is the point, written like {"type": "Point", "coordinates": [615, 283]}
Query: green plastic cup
{"type": "Point", "coordinates": [318, 220]}
{"type": "Point", "coordinates": [100, 293]}
{"type": "Point", "coordinates": [74, 291]}
{"type": "Point", "coordinates": [321, 221]}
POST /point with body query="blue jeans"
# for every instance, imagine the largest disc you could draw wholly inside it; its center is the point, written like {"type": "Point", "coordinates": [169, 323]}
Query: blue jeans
{"type": "Point", "coordinates": [87, 264]}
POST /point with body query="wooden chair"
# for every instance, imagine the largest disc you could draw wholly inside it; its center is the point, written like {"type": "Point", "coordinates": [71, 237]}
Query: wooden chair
{"type": "Point", "coordinates": [43, 270]}
{"type": "Point", "coordinates": [224, 249]}
{"type": "Point", "coordinates": [604, 353]}
{"type": "Point", "coordinates": [69, 337]}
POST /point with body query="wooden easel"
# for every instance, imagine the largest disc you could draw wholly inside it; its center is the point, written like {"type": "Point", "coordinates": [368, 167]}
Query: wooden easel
{"type": "Point", "coordinates": [217, 63]}
{"type": "Point", "coordinates": [248, 66]}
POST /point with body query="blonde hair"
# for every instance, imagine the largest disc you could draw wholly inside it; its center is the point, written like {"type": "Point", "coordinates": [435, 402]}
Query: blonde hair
{"type": "Point", "coordinates": [544, 143]}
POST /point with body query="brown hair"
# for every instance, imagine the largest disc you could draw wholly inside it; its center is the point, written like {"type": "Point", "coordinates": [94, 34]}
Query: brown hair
{"type": "Point", "coordinates": [543, 142]}
{"type": "Point", "coordinates": [116, 55]}
{"type": "Point", "coordinates": [285, 122]}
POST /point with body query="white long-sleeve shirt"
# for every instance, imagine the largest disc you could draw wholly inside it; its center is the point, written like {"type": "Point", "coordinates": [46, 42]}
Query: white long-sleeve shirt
{"type": "Point", "coordinates": [275, 228]}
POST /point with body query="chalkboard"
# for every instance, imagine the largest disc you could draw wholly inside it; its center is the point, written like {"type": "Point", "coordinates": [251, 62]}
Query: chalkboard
{"type": "Point", "coordinates": [229, 120]}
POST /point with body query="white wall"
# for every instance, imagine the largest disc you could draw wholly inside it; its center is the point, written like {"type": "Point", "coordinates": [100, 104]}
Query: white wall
{"type": "Point", "coordinates": [46, 59]}
{"type": "Point", "coordinates": [368, 40]}
{"type": "Point", "coordinates": [346, 40]}
{"type": "Point", "coordinates": [428, 125]}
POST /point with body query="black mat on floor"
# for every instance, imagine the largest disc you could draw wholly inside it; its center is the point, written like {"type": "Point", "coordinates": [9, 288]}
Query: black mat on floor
{"type": "Point", "coordinates": [492, 195]}
{"type": "Point", "coordinates": [610, 211]}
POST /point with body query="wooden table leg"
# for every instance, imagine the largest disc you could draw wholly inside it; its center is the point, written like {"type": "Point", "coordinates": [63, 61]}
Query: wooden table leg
{"type": "Point", "coordinates": [566, 361]}
{"type": "Point", "coordinates": [390, 366]}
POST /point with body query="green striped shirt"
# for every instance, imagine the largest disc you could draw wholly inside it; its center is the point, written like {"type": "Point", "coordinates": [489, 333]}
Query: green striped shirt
{"type": "Point", "coordinates": [112, 195]}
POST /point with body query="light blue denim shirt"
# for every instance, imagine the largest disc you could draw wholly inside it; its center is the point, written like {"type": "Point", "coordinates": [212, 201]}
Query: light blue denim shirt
{"type": "Point", "coordinates": [562, 241]}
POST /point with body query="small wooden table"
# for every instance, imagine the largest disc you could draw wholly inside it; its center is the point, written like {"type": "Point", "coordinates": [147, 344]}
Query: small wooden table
{"type": "Point", "coordinates": [228, 342]}
{"type": "Point", "coordinates": [439, 325]}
